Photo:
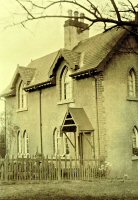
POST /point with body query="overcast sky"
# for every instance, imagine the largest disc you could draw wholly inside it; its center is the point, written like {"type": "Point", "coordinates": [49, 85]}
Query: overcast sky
{"type": "Point", "coordinates": [19, 46]}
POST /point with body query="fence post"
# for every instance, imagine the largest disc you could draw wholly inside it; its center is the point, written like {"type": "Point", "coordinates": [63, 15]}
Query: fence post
{"type": "Point", "coordinates": [59, 169]}
{"type": "Point", "coordinates": [70, 168]}
{"type": "Point", "coordinates": [6, 168]}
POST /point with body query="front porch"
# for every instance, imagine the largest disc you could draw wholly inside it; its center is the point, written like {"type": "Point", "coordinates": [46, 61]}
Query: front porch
{"type": "Point", "coordinates": [78, 134]}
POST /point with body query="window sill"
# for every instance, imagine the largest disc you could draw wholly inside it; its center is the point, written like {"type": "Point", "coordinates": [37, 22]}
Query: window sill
{"type": "Point", "coordinates": [132, 98]}
{"type": "Point", "coordinates": [134, 157]}
{"type": "Point", "coordinates": [22, 109]}
{"type": "Point", "coordinates": [65, 101]}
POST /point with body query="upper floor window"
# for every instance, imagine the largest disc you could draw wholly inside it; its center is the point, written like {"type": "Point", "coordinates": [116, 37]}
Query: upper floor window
{"type": "Point", "coordinates": [135, 141]}
{"type": "Point", "coordinates": [132, 83]}
{"type": "Point", "coordinates": [22, 96]}
{"type": "Point", "coordinates": [65, 85]}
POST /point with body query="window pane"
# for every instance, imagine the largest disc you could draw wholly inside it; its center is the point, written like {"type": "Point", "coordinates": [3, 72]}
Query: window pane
{"type": "Point", "coordinates": [67, 85]}
{"type": "Point", "coordinates": [22, 96]}
{"type": "Point", "coordinates": [132, 83]}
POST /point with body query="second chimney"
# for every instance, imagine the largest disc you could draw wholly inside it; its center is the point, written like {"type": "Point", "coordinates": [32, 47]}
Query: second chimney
{"type": "Point", "coordinates": [75, 30]}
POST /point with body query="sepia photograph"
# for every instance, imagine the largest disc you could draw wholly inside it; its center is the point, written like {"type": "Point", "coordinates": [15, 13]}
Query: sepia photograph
{"type": "Point", "coordinates": [68, 100]}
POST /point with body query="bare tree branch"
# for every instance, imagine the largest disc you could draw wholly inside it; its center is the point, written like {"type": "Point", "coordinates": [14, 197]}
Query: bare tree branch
{"type": "Point", "coordinates": [93, 13]}
{"type": "Point", "coordinates": [25, 9]}
{"type": "Point", "coordinates": [62, 1]}
{"type": "Point", "coordinates": [133, 8]}
{"type": "Point", "coordinates": [110, 28]}
{"type": "Point", "coordinates": [116, 10]}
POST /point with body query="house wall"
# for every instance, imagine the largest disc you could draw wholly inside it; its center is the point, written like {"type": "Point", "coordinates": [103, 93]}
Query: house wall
{"type": "Point", "coordinates": [121, 114]}
{"type": "Point", "coordinates": [28, 119]}
{"type": "Point", "coordinates": [85, 97]}
{"type": "Point", "coordinates": [53, 113]}
{"type": "Point", "coordinates": [54, 110]}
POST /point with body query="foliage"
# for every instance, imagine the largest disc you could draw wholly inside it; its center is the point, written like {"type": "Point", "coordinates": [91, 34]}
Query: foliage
{"type": "Point", "coordinates": [10, 130]}
{"type": "Point", "coordinates": [104, 169]}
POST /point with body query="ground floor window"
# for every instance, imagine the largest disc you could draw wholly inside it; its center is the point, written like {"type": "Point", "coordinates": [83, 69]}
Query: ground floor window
{"type": "Point", "coordinates": [135, 141]}
{"type": "Point", "coordinates": [56, 142]}
{"type": "Point", "coordinates": [60, 143]}
{"type": "Point", "coordinates": [25, 143]}
{"type": "Point", "coordinates": [22, 143]}
{"type": "Point", "coordinates": [19, 143]}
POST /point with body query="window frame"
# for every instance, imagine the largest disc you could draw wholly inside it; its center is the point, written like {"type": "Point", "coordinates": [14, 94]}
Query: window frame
{"type": "Point", "coordinates": [22, 97]}
{"type": "Point", "coordinates": [132, 93]}
{"type": "Point", "coordinates": [19, 143]}
{"type": "Point", "coordinates": [135, 141]}
{"type": "Point", "coordinates": [56, 142]}
{"type": "Point", "coordinates": [25, 143]}
{"type": "Point", "coordinates": [65, 96]}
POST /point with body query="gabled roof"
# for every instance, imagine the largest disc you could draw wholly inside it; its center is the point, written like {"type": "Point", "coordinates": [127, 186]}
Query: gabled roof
{"type": "Point", "coordinates": [26, 75]}
{"type": "Point", "coordinates": [89, 56]}
{"type": "Point", "coordinates": [71, 57]}
{"type": "Point", "coordinates": [46, 65]}
{"type": "Point", "coordinates": [8, 92]}
{"type": "Point", "coordinates": [42, 66]}
{"type": "Point", "coordinates": [97, 49]}
{"type": "Point", "coordinates": [77, 117]}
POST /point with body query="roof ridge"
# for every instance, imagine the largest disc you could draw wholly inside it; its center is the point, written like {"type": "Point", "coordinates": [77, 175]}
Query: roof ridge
{"type": "Point", "coordinates": [43, 57]}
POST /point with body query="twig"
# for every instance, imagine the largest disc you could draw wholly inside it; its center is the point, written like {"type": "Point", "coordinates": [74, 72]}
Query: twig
{"type": "Point", "coordinates": [116, 10]}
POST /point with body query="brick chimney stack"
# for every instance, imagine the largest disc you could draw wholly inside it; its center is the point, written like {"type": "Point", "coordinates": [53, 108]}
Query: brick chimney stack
{"type": "Point", "coordinates": [73, 30]}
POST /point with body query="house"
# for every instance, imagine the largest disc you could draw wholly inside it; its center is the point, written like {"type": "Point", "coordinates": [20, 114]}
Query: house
{"type": "Point", "coordinates": [80, 101]}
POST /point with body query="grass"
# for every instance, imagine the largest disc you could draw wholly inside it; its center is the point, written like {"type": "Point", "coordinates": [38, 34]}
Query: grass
{"type": "Point", "coordinates": [71, 190]}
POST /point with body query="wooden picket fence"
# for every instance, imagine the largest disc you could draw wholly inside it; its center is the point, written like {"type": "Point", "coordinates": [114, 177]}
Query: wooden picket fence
{"type": "Point", "coordinates": [50, 168]}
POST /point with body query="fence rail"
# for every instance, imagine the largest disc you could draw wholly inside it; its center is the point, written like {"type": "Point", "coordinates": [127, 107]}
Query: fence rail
{"type": "Point", "coordinates": [50, 168]}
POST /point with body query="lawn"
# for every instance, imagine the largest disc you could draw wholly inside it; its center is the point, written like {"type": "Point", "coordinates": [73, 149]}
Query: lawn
{"type": "Point", "coordinates": [71, 190]}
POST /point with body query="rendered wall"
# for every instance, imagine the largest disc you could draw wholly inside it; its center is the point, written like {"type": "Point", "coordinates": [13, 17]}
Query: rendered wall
{"type": "Point", "coordinates": [121, 114]}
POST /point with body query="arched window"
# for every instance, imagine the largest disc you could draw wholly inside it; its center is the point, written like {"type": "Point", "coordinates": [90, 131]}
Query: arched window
{"type": "Point", "coordinates": [57, 142]}
{"type": "Point", "coordinates": [135, 140]}
{"type": "Point", "coordinates": [19, 142]}
{"type": "Point", "coordinates": [25, 143]}
{"type": "Point", "coordinates": [132, 83]}
{"type": "Point", "coordinates": [65, 85]}
{"type": "Point", "coordinates": [22, 96]}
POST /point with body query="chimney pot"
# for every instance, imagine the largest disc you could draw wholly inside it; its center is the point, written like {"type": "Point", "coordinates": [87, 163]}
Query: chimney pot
{"type": "Point", "coordinates": [76, 13]}
{"type": "Point", "coordinates": [70, 13]}
{"type": "Point", "coordinates": [82, 19]}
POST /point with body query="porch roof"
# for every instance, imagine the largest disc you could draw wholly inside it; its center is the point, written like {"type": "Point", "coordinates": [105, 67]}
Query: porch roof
{"type": "Point", "coordinates": [80, 119]}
